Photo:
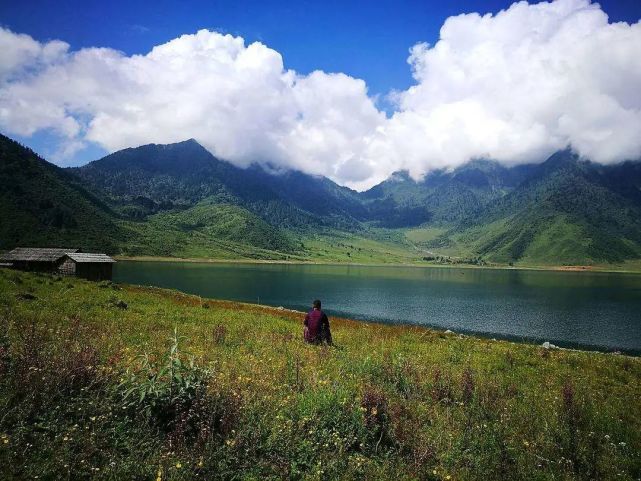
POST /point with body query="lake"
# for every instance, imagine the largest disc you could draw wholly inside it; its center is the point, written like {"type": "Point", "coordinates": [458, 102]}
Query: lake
{"type": "Point", "coordinates": [571, 309]}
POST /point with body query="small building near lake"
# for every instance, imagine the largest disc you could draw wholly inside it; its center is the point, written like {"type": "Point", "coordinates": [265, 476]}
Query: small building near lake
{"type": "Point", "coordinates": [96, 267]}
{"type": "Point", "coordinates": [35, 258]}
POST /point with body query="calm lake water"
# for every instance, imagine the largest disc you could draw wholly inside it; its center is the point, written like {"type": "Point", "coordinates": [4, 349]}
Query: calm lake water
{"type": "Point", "coordinates": [572, 309]}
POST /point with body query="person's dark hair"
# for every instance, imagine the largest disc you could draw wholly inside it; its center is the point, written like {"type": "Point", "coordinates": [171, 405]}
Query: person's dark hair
{"type": "Point", "coordinates": [316, 304]}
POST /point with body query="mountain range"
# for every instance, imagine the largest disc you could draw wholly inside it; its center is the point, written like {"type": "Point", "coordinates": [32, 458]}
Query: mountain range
{"type": "Point", "coordinates": [180, 200]}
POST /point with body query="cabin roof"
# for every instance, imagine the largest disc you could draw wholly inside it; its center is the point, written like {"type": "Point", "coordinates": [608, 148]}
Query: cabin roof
{"type": "Point", "coordinates": [85, 257]}
{"type": "Point", "coordinates": [35, 254]}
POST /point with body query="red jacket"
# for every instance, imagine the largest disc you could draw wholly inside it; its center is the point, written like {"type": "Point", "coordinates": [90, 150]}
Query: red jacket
{"type": "Point", "coordinates": [317, 327]}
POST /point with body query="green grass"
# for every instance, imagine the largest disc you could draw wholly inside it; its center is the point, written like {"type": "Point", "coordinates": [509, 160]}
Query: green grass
{"type": "Point", "coordinates": [560, 242]}
{"type": "Point", "coordinates": [163, 236]}
{"type": "Point", "coordinates": [207, 230]}
{"type": "Point", "coordinates": [424, 234]}
{"type": "Point", "coordinates": [374, 246]}
{"type": "Point", "coordinates": [94, 385]}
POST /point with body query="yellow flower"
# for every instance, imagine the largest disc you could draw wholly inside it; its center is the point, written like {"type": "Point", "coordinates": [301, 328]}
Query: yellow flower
{"type": "Point", "coordinates": [178, 465]}
{"type": "Point", "coordinates": [448, 477]}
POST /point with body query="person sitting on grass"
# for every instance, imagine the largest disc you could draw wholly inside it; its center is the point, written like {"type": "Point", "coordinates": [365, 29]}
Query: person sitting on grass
{"type": "Point", "coordinates": [316, 330]}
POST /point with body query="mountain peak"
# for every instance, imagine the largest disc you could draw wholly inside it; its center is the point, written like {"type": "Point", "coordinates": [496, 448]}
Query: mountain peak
{"type": "Point", "coordinates": [400, 176]}
{"type": "Point", "coordinates": [185, 157]}
{"type": "Point", "coordinates": [190, 141]}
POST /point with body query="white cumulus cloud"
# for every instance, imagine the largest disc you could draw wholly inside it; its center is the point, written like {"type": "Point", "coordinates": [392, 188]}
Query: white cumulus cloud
{"type": "Point", "coordinates": [520, 84]}
{"type": "Point", "coordinates": [514, 86]}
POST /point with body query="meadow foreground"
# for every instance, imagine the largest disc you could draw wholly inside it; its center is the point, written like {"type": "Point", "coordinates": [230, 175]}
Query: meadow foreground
{"type": "Point", "coordinates": [102, 381]}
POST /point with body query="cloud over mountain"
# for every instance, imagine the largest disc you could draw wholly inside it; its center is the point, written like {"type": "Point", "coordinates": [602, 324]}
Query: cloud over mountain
{"type": "Point", "coordinates": [514, 86]}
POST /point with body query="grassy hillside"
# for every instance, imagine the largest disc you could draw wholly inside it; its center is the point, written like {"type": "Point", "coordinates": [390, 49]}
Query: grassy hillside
{"type": "Point", "coordinates": [178, 200]}
{"type": "Point", "coordinates": [566, 212]}
{"type": "Point", "coordinates": [41, 205]}
{"type": "Point", "coordinates": [209, 230]}
{"type": "Point", "coordinates": [116, 382]}
{"type": "Point", "coordinates": [374, 246]}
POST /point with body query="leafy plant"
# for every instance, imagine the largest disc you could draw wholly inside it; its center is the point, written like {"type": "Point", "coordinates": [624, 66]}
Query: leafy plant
{"type": "Point", "coordinates": [162, 389]}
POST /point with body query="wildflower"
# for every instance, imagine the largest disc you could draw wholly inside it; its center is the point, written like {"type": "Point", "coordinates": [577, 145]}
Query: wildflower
{"type": "Point", "coordinates": [178, 465]}
{"type": "Point", "coordinates": [159, 475]}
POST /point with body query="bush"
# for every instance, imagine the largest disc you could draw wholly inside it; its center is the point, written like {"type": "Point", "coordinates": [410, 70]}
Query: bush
{"type": "Point", "coordinates": [165, 389]}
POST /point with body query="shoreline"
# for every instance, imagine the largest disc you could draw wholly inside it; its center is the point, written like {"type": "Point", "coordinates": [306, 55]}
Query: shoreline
{"type": "Point", "coordinates": [424, 328]}
{"type": "Point", "coordinates": [552, 268]}
{"type": "Point", "coordinates": [476, 336]}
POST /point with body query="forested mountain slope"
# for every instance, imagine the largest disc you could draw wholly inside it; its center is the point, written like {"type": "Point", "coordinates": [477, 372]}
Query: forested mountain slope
{"type": "Point", "coordinates": [42, 205]}
{"type": "Point", "coordinates": [154, 177]}
{"type": "Point", "coordinates": [179, 199]}
{"type": "Point", "coordinates": [566, 211]}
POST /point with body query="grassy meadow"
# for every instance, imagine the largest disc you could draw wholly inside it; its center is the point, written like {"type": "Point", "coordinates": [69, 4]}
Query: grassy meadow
{"type": "Point", "coordinates": [115, 382]}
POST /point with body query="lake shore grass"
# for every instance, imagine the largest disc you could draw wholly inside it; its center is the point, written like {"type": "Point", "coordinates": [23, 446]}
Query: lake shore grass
{"type": "Point", "coordinates": [628, 268]}
{"type": "Point", "coordinates": [105, 381]}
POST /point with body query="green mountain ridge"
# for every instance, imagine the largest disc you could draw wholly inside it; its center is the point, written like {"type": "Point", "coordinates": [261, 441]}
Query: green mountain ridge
{"type": "Point", "coordinates": [567, 211]}
{"type": "Point", "coordinates": [180, 200]}
{"type": "Point", "coordinates": [44, 205]}
{"type": "Point", "coordinates": [449, 197]}
{"type": "Point", "coordinates": [162, 177]}
{"type": "Point", "coordinates": [41, 204]}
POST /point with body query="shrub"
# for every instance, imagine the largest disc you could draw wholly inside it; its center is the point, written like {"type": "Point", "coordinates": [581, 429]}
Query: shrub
{"type": "Point", "coordinates": [400, 372]}
{"type": "Point", "coordinates": [45, 366]}
{"type": "Point", "coordinates": [377, 421]}
{"type": "Point", "coordinates": [165, 389]}
{"type": "Point", "coordinates": [218, 334]}
{"type": "Point", "coordinates": [467, 385]}
{"type": "Point", "coordinates": [441, 386]}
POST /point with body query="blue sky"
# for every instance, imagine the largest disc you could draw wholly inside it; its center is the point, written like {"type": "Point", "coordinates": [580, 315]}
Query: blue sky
{"type": "Point", "coordinates": [512, 107]}
{"type": "Point", "coordinates": [364, 39]}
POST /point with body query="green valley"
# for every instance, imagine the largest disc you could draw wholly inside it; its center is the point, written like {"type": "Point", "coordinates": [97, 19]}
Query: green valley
{"type": "Point", "coordinates": [178, 200]}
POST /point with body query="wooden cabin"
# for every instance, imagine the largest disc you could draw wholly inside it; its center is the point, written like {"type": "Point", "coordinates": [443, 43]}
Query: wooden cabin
{"type": "Point", "coordinates": [35, 258]}
{"type": "Point", "coordinates": [95, 267]}
{"type": "Point", "coordinates": [71, 262]}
